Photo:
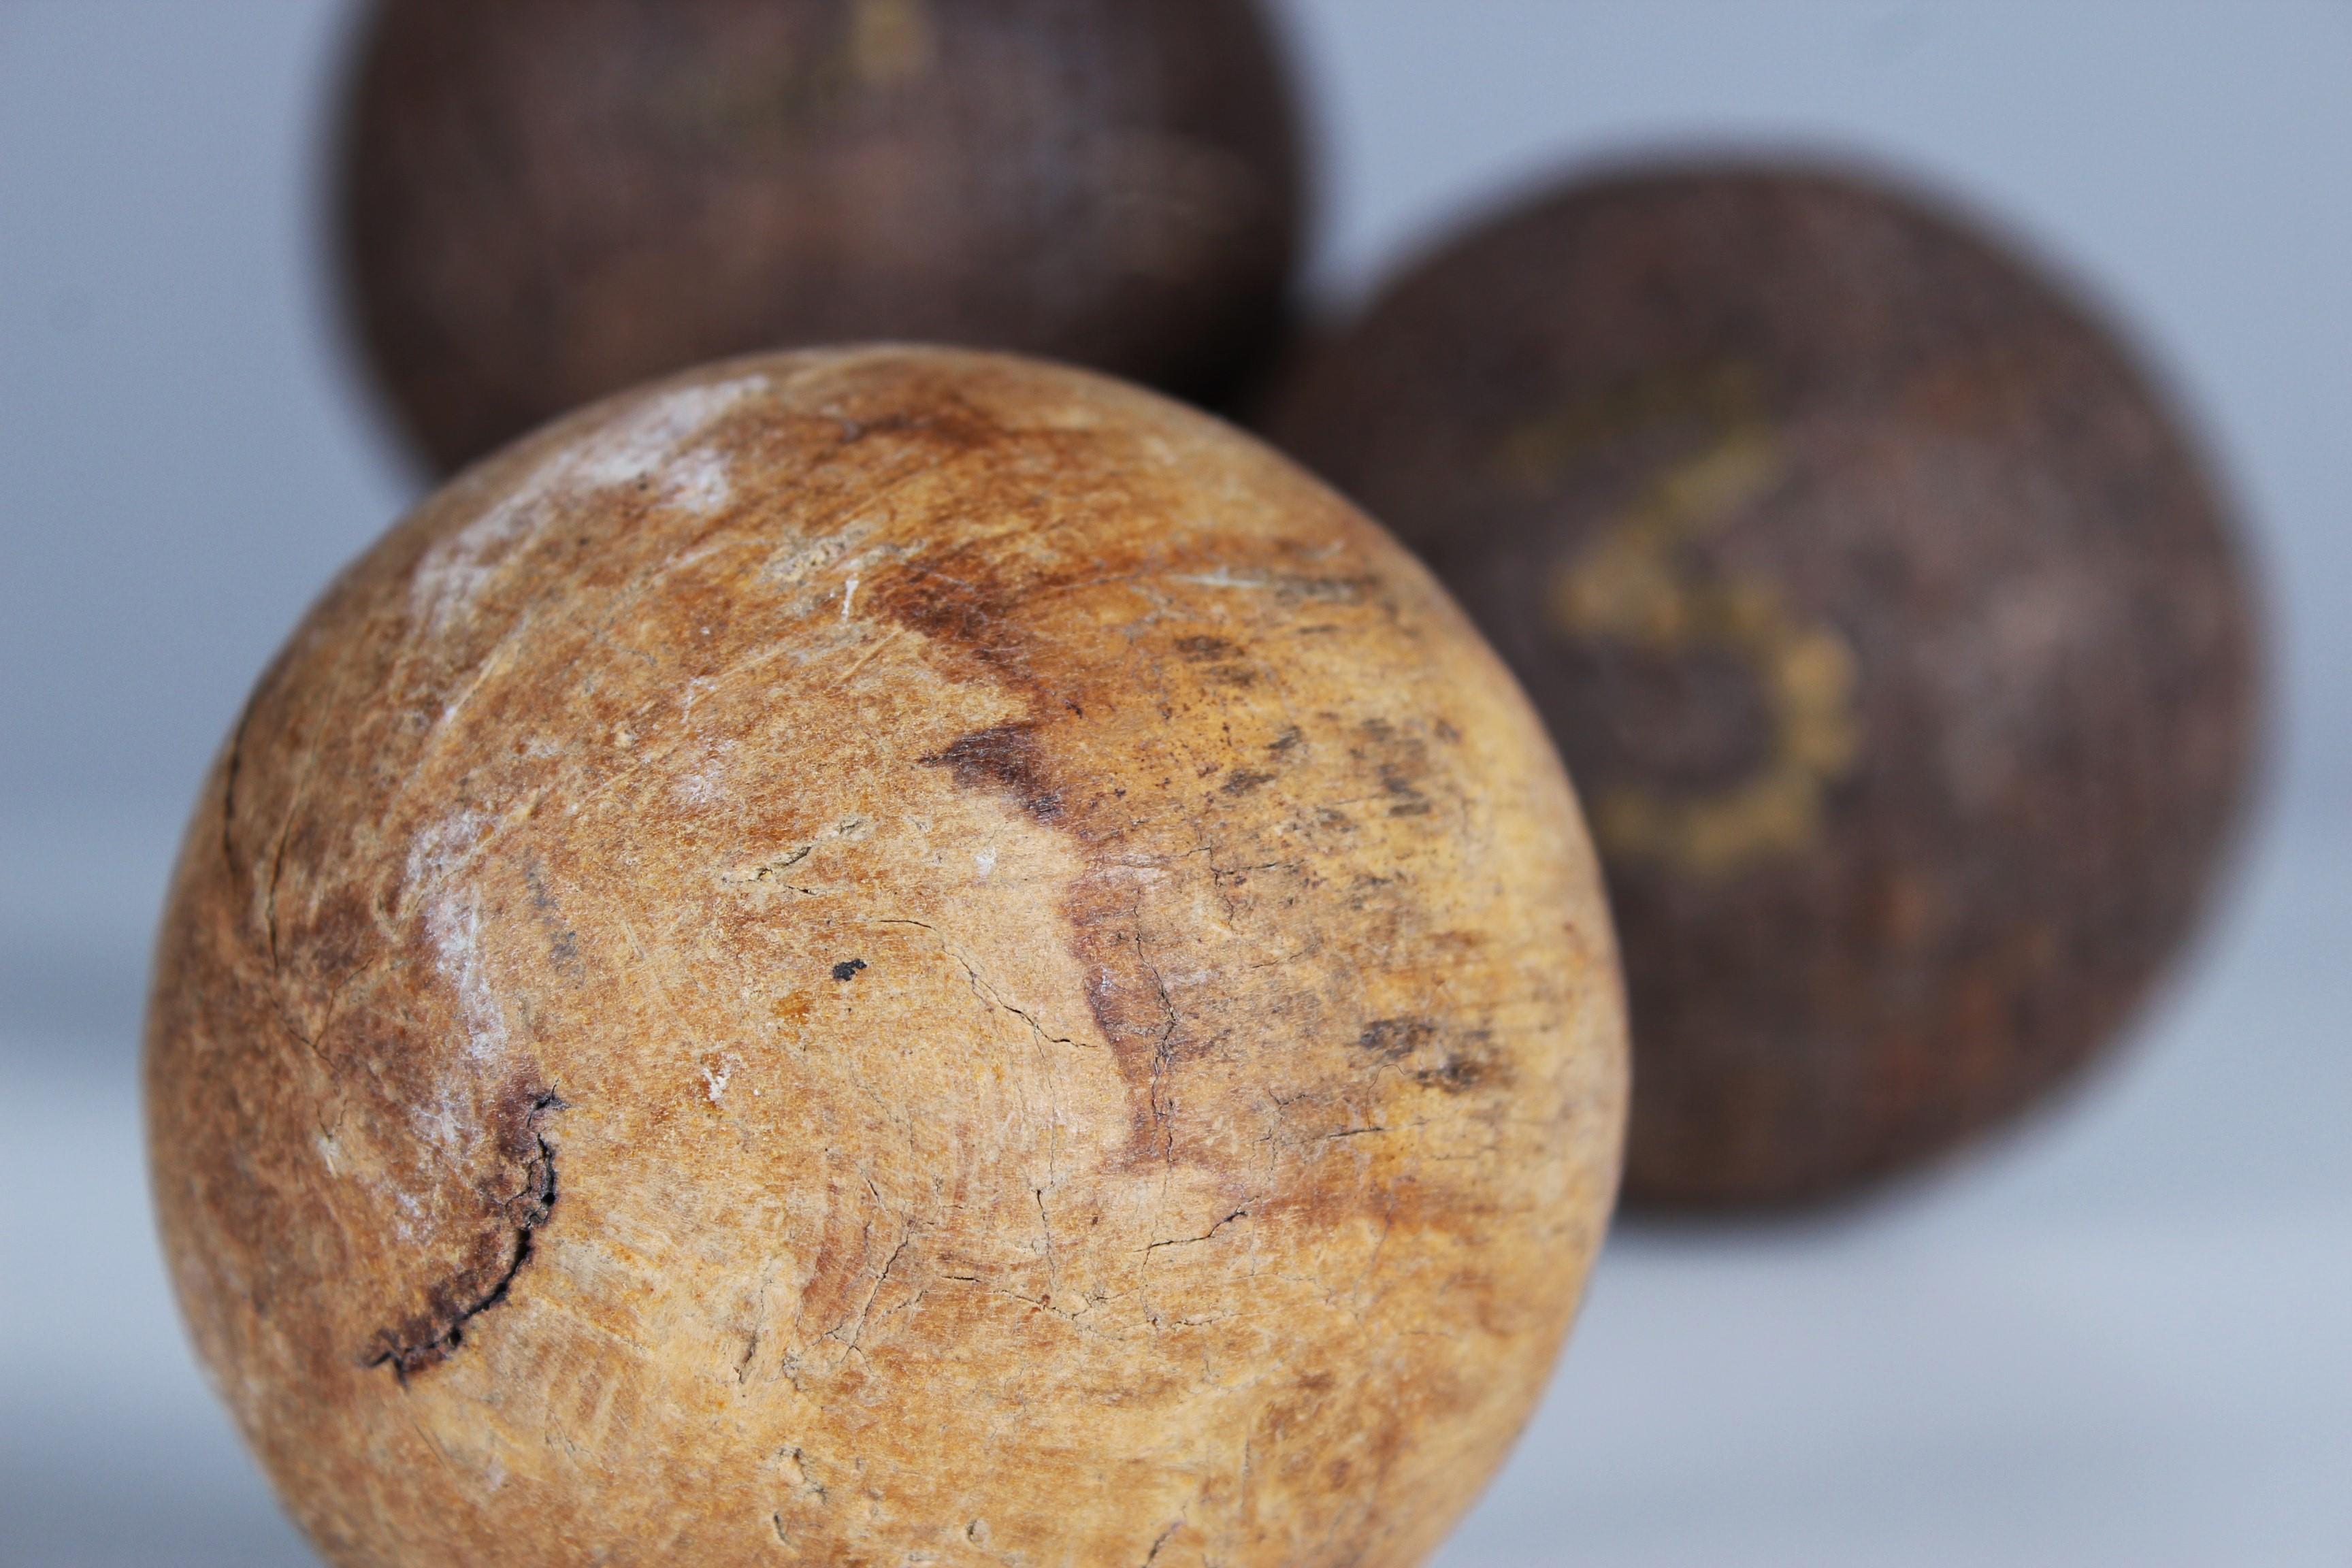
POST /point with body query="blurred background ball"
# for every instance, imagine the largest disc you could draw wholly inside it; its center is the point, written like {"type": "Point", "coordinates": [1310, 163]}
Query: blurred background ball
{"type": "Point", "coordinates": [1897, 640]}
{"type": "Point", "coordinates": [543, 201]}
{"type": "Point", "coordinates": [885, 956]}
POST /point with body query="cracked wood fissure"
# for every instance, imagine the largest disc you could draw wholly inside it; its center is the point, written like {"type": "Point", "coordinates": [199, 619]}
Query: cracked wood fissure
{"type": "Point", "coordinates": [431, 1338]}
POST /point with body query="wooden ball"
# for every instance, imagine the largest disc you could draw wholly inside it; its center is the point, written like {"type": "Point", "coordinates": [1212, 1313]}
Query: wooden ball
{"type": "Point", "coordinates": [545, 201]}
{"type": "Point", "coordinates": [1891, 628]}
{"type": "Point", "coordinates": [882, 956]}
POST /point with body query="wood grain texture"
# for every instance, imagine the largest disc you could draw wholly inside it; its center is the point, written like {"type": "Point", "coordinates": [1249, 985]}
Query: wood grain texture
{"type": "Point", "coordinates": [884, 956]}
{"type": "Point", "coordinates": [544, 201]}
{"type": "Point", "coordinates": [1882, 609]}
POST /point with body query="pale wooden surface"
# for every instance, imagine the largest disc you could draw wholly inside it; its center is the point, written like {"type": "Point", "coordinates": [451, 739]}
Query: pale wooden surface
{"type": "Point", "coordinates": [884, 954]}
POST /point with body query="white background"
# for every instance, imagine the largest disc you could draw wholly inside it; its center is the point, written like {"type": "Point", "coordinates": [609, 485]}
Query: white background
{"type": "Point", "coordinates": [2123, 1336]}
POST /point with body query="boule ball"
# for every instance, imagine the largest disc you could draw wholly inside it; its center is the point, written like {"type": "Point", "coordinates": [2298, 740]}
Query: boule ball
{"type": "Point", "coordinates": [1890, 625]}
{"type": "Point", "coordinates": [880, 956]}
{"type": "Point", "coordinates": [545, 201]}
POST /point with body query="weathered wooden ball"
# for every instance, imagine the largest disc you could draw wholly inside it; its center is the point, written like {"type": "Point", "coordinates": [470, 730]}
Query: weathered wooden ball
{"type": "Point", "coordinates": [1892, 631]}
{"type": "Point", "coordinates": [879, 957]}
{"type": "Point", "coordinates": [545, 201]}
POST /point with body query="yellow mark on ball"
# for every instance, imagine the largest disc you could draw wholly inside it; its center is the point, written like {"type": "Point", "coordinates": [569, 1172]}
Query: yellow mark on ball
{"type": "Point", "coordinates": [890, 42]}
{"type": "Point", "coordinates": [1637, 585]}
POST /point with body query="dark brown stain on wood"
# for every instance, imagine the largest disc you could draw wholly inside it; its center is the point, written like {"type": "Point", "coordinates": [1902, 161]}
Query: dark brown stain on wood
{"type": "Point", "coordinates": [1006, 758]}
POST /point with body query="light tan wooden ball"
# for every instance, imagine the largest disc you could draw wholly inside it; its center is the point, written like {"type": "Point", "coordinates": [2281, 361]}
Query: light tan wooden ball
{"type": "Point", "coordinates": [883, 957]}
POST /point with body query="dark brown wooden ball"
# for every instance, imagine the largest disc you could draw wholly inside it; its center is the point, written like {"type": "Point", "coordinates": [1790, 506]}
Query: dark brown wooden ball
{"type": "Point", "coordinates": [544, 201]}
{"type": "Point", "coordinates": [1894, 634]}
